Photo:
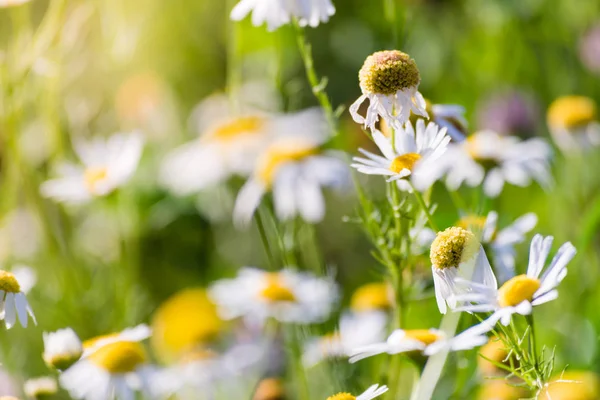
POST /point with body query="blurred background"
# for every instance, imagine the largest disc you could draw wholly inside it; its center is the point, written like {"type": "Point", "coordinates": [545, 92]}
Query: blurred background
{"type": "Point", "coordinates": [72, 69]}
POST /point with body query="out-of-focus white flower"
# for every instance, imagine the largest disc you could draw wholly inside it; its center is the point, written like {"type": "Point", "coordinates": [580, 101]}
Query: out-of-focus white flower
{"type": "Point", "coordinates": [421, 235]}
{"type": "Point", "coordinates": [573, 123]}
{"type": "Point", "coordinates": [356, 330]}
{"type": "Point", "coordinates": [295, 169]}
{"type": "Point", "coordinates": [20, 235]}
{"type": "Point", "coordinates": [13, 303]}
{"type": "Point", "coordinates": [204, 370]}
{"type": "Point", "coordinates": [61, 348]}
{"type": "Point", "coordinates": [427, 341]}
{"type": "Point", "coordinates": [112, 367]}
{"type": "Point", "coordinates": [287, 296]}
{"type": "Point", "coordinates": [501, 242]}
{"type": "Point", "coordinates": [457, 252]}
{"type": "Point", "coordinates": [519, 294]}
{"type": "Point", "coordinates": [370, 393]}
{"type": "Point", "coordinates": [404, 155]}
{"type": "Point", "coordinates": [451, 117]}
{"type": "Point", "coordinates": [107, 165]}
{"type": "Point", "coordinates": [40, 387]}
{"type": "Point", "coordinates": [390, 81]}
{"type": "Point", "coordinates": [136, 334]}
{"type": "Point", "coordinates": [492, 159]}
{"type": "Point", "coordinates": [276, 13]}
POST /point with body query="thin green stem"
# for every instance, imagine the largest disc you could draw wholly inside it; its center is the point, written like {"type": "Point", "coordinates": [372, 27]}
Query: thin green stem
{"type": "Point", "coordinates": [264, 238]}
{"type": "Point", "coordinates": [317, 84]}
{"type": "Point", "coordinates": [425, 208]}
{"type": "Point", "coordinates": [532, 342]}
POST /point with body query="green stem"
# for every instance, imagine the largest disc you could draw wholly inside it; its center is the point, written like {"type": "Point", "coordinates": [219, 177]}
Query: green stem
{"type": "Point", "coordinates": [264, 239]}
{"type": "Point", "coordinates": [317, 85]}
{"type": "Point", "coordinates": [421, 202]}
{"type": "Point", "coordinates": [532, 342]}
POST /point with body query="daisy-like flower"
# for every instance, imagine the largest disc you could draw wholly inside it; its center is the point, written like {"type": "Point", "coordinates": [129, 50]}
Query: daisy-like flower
{"type": "Point", "coordinates": [295, 169]}
{"type": "Point", "coordinates": [457, 252]}
{"type": "Point", "coordinates": [13, 303]}
{"type": "Point", "coordinates": [136, 334]}
{"type": "Point", "coordinates": [107, 165]}
{"type": "Point", "coordinates": [425, 341]}
{"type": "Point", "coordinates": [369, 394]}
{"type": "Point", "coordinates": [372, 297]}
{"type": "Point", "coordinates": [356, 330]}
{"type": "Point", "coordinates": [276, 13]}
{"type": "Point", "coordinates": [390, 81]}
{"type": "Point", "coordinates": [573, 123]}
{"type": "Point", "coordinates": [521, 293]}
{"type": "Point", "coordinates": [501, 242]}
{"type": "Point", "coordinates": [411, 150]}
{"type": "Point", "coordinates": [110, 369]}
{"type": "Point", "coordinates": [185, 321]}
{"type": "Point", "coordinates": [287, 296]}
{"type": "Point", "coordinates": [61, 348]}
{"type": "Point", "coordinates": [493, 159]}
{"type": "Point", "coordinates": [40, 388]}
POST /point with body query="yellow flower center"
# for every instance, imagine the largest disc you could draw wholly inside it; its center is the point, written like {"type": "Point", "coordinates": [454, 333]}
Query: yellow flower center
{"type": "Point", "coordinates": [93, 176]}
{"type": "Point", "coordinates": [269, 389]}
{"type": "Point", "coordinates": [494, 352]}
{"type": "Point", "coordinates": [236, 127]}
{"type": "Point", "coordinates": [119, 357]}
{"type": "Point", "coordinates": [8, 282]}
{"type": "Point", "coordinates": [405, 161]}
{"type": "Point", "coordinates": [278, 155]}
{"type": "Point", "coordinates": [424, 336]}
{"type": "Point", "coordinates": [276, 291]}
{"type": "Point", "coordinates": [387, 72]}
{"type": "Point", "coordinates": [573, 385]}
{"type": "Point", "coordinates": [88, 344]}
{"type": "Point", "coordinates": [372, 296]}
{"type": "Point", "coordinates": [342, 396]}
{"type": "Point", "coordinates": [184, 321]}
{"type": "Point", "coordinates": [571, 111]}
{"type": "Point", "coordinates": [472, 222]}
{"type": "Point", "coordinates": [517, 289]}
{"type": "Point", "coordinates": [452, 247]}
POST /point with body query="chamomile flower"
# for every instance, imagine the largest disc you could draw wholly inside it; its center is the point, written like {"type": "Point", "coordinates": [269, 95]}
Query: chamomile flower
{"type": "Point", "coordinates": [457, 252]}
{"type": "Point", "coordinates": [294, 169]}
{"type": "Point", "coordinates": [501, 242]}
{"type": "Point", "coordinates": [112, 367]}
{"type": "Point", "coordinates": [107, 165]}
{"type": "Point", "coordinates": [390, 81]}
{"type": "Point", "coordinates": [403, 156]}
{"type": "Point", "coordinates": [287, 296]}
{"type": "Point", "coordinates": [276, 13]}
{"type": "Point", "coordinates": [573, 123]}
{"type": "Point", "coordinates": [425, 341]}
{"type": "Point", "coordinates": [372, 297]}
{"type": "Point", "coordinates": [61, 348]}
{"type": "Point", "coordinates": [521, 293]}
{"type": "Point", "coordinates": [135, 334]}
{"type": "Point", "coordinates": [40, 388]}
{"type": "Point", "coordinates": [185, 321]}
{"type": "Point", "coordinates": [13, 303]}
{"type": "Point", "coordinates": [370, 393]}
{"type": "Point", "coordinates": [493, 159]}
{"type": "Point", "coordinates": [355, 330]}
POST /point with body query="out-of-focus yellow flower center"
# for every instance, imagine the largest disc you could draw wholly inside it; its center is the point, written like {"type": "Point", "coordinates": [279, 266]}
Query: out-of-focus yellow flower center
{"type": "Point", "coordinates": [278, 155]}
{"type": "Point", "coordinates": [501, 389]}
{"type": "Point", "coordinates": [342, 396]}
{"type": "Point", "coordinates": [452, 247]}
{"type": "Point", "coordinates": [185, 321]}
{"type": "Point", "coordinates": [119, 357]}
{"type": "Point", "coordinates": [571, 111]}
{"type": "Point", "coordinates": [275, 290]}
{"type": "Point", "coordinates": [516, 290]}
{"type": "Point", "coordinates": [8, 282]}
{"type": "Point", "coordinates": [573, 385]}
{"type": "Point", "coordinates": [269, 389]}
{"type": "Point", "coordinates": [93, 176]}
{"type": "Point", "coordinates": [236, 127]}
{"type": "Point", "coordinates": [424, 336]}
{"type": "Point", "coordinates": [471, 222]}
{"type": "Point", "coordinates": [372, 296]}
{"type": "Point", "coordinates": [405, 161]}
{"type": "Point", "coordinates": [494, 351]}
{"type": "Point", "coordinates": [88, 344]}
